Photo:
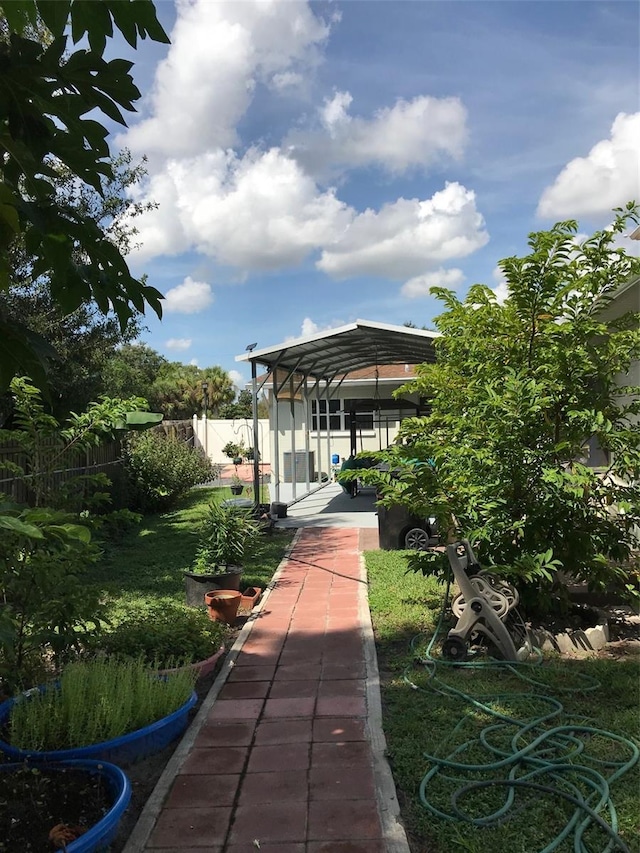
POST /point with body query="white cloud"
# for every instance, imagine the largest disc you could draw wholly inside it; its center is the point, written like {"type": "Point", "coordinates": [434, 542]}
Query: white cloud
{"type": "Point", "coordinates": [219, 52]}
{"type": "Point", "coordinates": [406, 238]}
{"type": "Point", "coordinates": [237, 378]}
{"type": "Point", "coordinates": [412, 133]}
{"type": "Point", "coordinates": [310, 327]}
{"type": "Point", "coordinates": [194, 362]}
{"type": "Point", "coordinates": [607, 177]}
{"type": "Point", "coordinates": [263, 212]}
{"type": "Point", "coordinates": [260, 211]}
{"type": "Point", "coordinates": [189, 297]}
{"type": "Point", "coordinates": [501, 289]}
{"type": "Point", "coordinates": [287, 81]}
{"type": "Point", "coordinates": [420, 285]}
{"type": "Point", "coordinates": [178, 344]}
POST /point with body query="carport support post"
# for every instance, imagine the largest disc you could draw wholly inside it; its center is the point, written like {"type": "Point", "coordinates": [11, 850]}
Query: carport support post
{"type": "Point", "coordinates": [276, 438]}
{"type": "Point", "coordinates": [353, 441]}
{"type": "Point", "coordinates": [294, 473]}
{"type": "Point", "coordinates": [328, 430]}
{"type": "Point", "coordinates": [318, 438]}
{"type": "Point", "coordinates": [257, 496]}
{"type": "Point", "coordinates": [305, 409]}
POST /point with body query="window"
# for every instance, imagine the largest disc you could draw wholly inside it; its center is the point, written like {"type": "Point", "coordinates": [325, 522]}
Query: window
{"type": "Point", "coordinates": [336, 416]}
{"type": "Point", "coordinates": [340, 415]}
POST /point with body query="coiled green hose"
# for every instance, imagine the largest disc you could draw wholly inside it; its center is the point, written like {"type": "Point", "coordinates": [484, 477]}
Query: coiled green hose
{"type": "Point", "coordinates": [545, 753]}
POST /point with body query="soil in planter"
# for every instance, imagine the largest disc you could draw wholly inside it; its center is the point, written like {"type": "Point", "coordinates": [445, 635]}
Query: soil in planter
{"type": "Point", "coordinates": [33, 802]}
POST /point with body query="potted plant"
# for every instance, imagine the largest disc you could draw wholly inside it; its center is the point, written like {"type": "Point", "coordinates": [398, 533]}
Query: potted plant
{"type": "Point", "coordinates": [228, 534]}
{"type": "Point", "coordinates": [235, 451]}
{"type": "Point", "coordinates": [101, 709]}
{"type": "Point", "coordinates": [165, 634]}
{"type": "Point", "coordinates": [236, 485]}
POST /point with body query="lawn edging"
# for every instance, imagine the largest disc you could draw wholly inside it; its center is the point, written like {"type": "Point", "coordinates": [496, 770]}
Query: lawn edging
{"type": "Point", "coordinates": [393, 830]}
{"type": "Point", "coordinates": [149, 815]}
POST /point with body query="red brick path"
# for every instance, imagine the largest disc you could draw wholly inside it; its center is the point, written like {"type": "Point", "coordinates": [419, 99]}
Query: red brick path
{"type": "Point", "coordinates": [283, 763]}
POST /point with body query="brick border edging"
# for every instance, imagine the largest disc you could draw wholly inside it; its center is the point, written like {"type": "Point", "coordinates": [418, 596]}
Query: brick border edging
{"type": "Point", "coordinates": [152, 808]}
{"type": "Point", "coordinates": [393, 831]}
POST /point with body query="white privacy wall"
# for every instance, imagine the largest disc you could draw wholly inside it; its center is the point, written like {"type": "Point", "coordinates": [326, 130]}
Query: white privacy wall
{"type": "Point", "coordinates": [212, 435]}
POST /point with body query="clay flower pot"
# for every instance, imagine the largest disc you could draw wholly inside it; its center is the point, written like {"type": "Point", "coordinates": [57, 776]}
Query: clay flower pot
{"type": "Point", "coordinates": [250, 597]}
{"type": "Point", "coordinates": [223, 605]}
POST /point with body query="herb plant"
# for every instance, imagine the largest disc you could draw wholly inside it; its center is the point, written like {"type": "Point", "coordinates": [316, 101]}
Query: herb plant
{"type": "Point", "coordinates": [96, 701]}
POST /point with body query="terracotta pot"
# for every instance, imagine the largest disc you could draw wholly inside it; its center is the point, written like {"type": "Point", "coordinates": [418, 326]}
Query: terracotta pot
{"type": "Point", "coordinates": [250, 597]}
{"type": "Point", "coordinates": [223, 605]}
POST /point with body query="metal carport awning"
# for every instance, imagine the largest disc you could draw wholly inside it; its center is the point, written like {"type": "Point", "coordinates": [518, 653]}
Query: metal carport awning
{"type": "Point", "coordinates": [363, 343]}
{"type": "Point", "coordinates": [332, 354]}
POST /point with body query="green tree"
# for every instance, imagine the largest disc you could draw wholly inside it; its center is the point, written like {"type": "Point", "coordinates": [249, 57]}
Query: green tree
{"type": "Point", "coordinates": [84, 339]}
{"type": "Point", "coordinates": [49, 100]}
{"type": "Point", "coordinates": [131, 370]}
{"type": "Point", "coordinates": [178, 391]}
{"type": "Point", "coordinates": [242, 407]}
{"type": "Point", "coordinates": [518, 393]}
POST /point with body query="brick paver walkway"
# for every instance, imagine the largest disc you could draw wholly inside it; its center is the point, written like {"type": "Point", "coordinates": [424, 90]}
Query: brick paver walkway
{"type": "Point", "coordinates": [282, 762]}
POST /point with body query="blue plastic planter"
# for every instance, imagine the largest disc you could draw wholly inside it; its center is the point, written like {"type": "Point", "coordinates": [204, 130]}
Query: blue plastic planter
{"type": "Point", "coordinates": [102, 833]}
{"type": "Point", "coordinates": [126, 749]}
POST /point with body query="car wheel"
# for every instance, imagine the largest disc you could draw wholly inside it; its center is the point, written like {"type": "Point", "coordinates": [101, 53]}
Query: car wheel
{"type": "Point", "coordinates": [416, 539]}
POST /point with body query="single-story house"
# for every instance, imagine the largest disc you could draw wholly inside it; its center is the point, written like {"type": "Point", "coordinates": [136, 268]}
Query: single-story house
{"type": "Point", "coordinates": [331, 394]}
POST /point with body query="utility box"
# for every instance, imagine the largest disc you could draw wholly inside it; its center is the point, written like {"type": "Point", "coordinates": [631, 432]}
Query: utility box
{"type": "Point", "coordinates": [300, 469]}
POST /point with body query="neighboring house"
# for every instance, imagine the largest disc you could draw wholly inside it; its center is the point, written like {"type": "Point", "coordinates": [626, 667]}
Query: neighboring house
{"type": "Point", "coordinates": [627, 299]}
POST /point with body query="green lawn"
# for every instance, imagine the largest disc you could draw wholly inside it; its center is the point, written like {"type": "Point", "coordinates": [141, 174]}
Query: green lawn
{"type": "Point", "coordinates": [418, 721]}
{"type": "Point", "coordinates": [148, 560]}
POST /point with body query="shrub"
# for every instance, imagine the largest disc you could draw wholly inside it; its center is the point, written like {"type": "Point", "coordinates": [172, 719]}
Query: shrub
{"type": "Point", "coordinates": [161, 469]}
{"type": "Point", "coordinates": [164, 633]}
{"type": "Point", "coordinates": [46, 603]}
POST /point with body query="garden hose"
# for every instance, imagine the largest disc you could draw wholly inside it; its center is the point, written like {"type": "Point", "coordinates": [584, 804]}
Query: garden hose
{"type": "Point", "coordinates": [547, 753]}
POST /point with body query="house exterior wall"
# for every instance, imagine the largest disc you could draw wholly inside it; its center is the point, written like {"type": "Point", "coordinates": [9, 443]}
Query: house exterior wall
{"type": "Point", "coordinates": [320, 446]}
{"type": "Point", "coordinates": [628, 300]}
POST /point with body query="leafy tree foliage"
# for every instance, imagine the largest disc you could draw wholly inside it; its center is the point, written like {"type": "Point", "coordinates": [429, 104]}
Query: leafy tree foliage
{"type": "Point", "coordinates": [178, 392]}
{"type": "Point", "coordinates": [171, 387]}
{"type": "Point", "coordinates": [518, 393]}
{"type": "Point", "coordinates": [131, 370]}
{"type": "Point", "coordinates": [242, 407]}
{"type": "Point", "coordinates": [48, 103]}
{"type": "Point", "coordinates": [84, 339]}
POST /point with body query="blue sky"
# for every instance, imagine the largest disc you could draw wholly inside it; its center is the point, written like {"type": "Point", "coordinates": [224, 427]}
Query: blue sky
{"type": "Point", "coordinates": [314, 163]}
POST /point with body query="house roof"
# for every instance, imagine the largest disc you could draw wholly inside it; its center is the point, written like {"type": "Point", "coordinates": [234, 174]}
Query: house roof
{"type": "Point", "coordinates": [354, 347]}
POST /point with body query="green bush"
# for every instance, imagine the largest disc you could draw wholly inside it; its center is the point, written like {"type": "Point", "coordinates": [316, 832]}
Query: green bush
{"type": "Point", "coordinates": [163, 633]}
{"type": "Point", "coordinates": [161, 469]}
{"type": "Point", "coordinates": [47, 607]}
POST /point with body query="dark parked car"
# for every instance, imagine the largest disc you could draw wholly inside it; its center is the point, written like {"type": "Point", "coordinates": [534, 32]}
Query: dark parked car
{"type": "Point", "coordinates": [400, 529]}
